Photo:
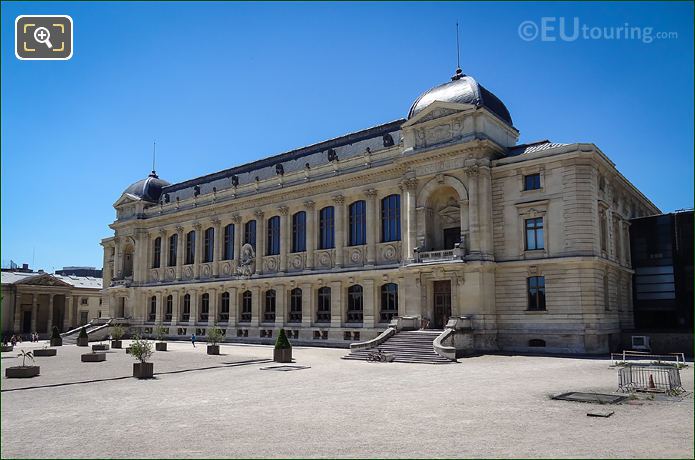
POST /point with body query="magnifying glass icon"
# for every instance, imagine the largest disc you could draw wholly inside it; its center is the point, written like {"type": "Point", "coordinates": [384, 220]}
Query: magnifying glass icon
{"type": "Point", "coordinates": [42, 35]}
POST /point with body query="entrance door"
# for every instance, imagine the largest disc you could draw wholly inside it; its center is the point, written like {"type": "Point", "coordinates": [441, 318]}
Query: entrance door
{"type": "Point", "coordinates": [451, 237]}
{"type": "Point", "coordinates": [442, 304]}
{"type": "Point", "coordinates": [26, 323]}
{"type": "Point", "coordinates": [83, 318]}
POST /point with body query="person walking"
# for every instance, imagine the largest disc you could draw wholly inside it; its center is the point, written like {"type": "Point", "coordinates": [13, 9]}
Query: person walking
{"type": "Point", "coordinates": [193, 339]}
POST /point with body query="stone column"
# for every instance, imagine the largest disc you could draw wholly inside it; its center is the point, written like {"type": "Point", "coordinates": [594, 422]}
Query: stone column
{"type": "Point", "coordinates": [465, 226]}
{"type": "Point", "coordinates": [372, 226]}
{"type": "Point", "coordinates": [212, 311]}
{"type": "Point", "coordinates": [175, 301]}
{"type": "Point", "coordinates": [336, 304]}
{"type": "Point", "coordinates": [67, 317]}
{"type": "Point", "coordinates": [163, 253]}
{"type": "Point", "coordinates": [485, 214]}
{"type": "Point", "coordinates": [310, 234]}
{"type": "Point", "coordinates": [34, 311]}
{"type": "Point", "coordinates": [410, 230]}
{"type": "Point", "coordinates": [308, 311]}
{"type": "Point", "coordinates": [49, 323]}
{"type": "Point", "coordinates": [474, 226]}
{"type": "Point", "coordinates": [198, 256]}
{"type": "Point", "coordinates": [255, 306]}
{"type": "Point", "coordinates": [284, 236]}
{"type": "Point", "coordinates": [280, 305]}
{"type": "Point", "coordinates": [260, 240]}
{"type": "Point", "coordinates": [238, 230]}
{"type": "Point", "coordinates": [217, 248]}
{"type": "Point", "coordinates": [233, 305]}
{"type": "Point", "coordinates": [401, 296]}
{"type": "Point", "coordinates": [141, 256]}
{"type": "Point", "coordinates": [158, 313]}
{"type": "Point", "coordinates": [339, 229]}
{"type": "Point", "coordinates": [117, 268]}
{"type": "Point", "coordinates": [194, 307]}
{"type": "Point", "coordinates": [180, 243]}
{"type": "Point", "coordinates": [368, 303]}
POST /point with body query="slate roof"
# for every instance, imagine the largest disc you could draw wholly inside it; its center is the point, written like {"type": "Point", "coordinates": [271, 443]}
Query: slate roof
{"type": "Point", "coordinates": [84, 282]}
{"type": "Point", "coordinates": [523, 149]}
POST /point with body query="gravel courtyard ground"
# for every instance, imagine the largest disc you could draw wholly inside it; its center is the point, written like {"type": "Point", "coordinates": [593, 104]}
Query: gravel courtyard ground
{"type": "Point", "coordinates": [224, 406]}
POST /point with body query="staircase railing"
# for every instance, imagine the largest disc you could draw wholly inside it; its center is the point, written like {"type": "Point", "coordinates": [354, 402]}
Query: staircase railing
{"type": "Point", "coordinates": [376, 341]}
{"type": "Point", "coordinates": [446, 351]}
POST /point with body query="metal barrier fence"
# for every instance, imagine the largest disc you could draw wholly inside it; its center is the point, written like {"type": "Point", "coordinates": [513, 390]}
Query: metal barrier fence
{"type": "Point", "coordinates": [625, 356]}
{"type": "Point", "coordinates": [665, 379]}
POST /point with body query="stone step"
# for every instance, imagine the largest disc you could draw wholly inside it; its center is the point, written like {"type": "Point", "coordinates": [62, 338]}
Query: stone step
{"type": "Point", "coordinates": [406, 347]}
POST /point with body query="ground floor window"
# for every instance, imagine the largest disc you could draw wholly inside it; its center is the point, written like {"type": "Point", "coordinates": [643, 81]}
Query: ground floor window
{"type": "Point", "coordinates": [153, 309]}
{"type": "Point", "coordinates": [389, 302]}
{"type": "Point", "coordinates": [224, 308]}
{"type": "Point", "coordinates": [295, 306]}
{"type": "Point", "coordinates": [245, 307]}
{"type": "Point", "coordinates": [170, 308]}
{"type": "Point", "coordinates": [186, 310]}
{"type": "Point", "coordinates": [269, 311]}
{"type": "Point", "coordinates": [536, 292]}
{"type": "Point", "coordinates": [323, 312]}
{"type": "Point", "coordinates": [355, 304]}
{"type": "Point", "coordinates": [204, 307]}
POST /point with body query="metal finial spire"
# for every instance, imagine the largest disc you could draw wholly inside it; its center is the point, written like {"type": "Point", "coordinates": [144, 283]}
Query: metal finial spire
{"type": "Point", "coordinates": [459, 72]}
{"type": "Point", "coordinates": [154, 156]}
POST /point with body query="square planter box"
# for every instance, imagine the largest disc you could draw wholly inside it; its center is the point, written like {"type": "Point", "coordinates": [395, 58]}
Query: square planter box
{"type": "Point", "coordinates": [143, 370]}
{"type": "Point", "coordinates": [57, 342]}
{"type": "Point", "coordinates": [83, 342]}
{"type": "Point", "coordinates": [282, 356]}
{"type": "Point", "coordinates": [116, 344]}
{"type": "Point", "coordinates": [213, 349]}
{"type": "Point", "coordinates": [93, 357]}
{"type": "Point", "coordinates": [100, 347]}
{"type": "Point", "coordinates": [19, 372]}
{"type": "Point", "coordinates": [7, 348]}
{"type": "Point", "coordinates": [160, 346]}
{"type": "Point", "coordinates": [45, 352]}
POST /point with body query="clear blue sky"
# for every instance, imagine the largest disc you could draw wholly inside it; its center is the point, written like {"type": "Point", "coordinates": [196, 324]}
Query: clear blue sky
{"type": "Point", "coordinates": [220, 84]}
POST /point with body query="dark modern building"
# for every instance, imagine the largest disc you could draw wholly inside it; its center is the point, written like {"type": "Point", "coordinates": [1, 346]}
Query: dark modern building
{"type": "Point", "coordinates": [80, 271]}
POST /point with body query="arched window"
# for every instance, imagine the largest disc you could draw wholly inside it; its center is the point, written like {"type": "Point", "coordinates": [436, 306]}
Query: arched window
{"type": "Point", "coordinates": [355, 308]}
{"type": "Point", "coordinates": [273, 243]}
{"type": "Point", "coordinates": [224, 308]}
{"type": "Point", "coordinates": [173, 249]}
{"type": "Point", "coordinates": [250, 233]}
{"type": "Point", "coordinates": [246, 307]}
{"type": "Point", "coordinates": [157, 253]}
{"type": "Point", "coordinates": [536, 343]}
{"type": "Point", "coordinates": [190, 247]}
{"type": "Point", "coordinates": [229, 242]}
{"type": "Point", "coordinates": [391, 218]}
{"type": "Point", "coordinates": [326, 228]}
{"type": "Point", "coordinates": [269, 307]}
{"type": "Point", "coordinates": [323, 311]}
{"type": "Point", "coordinates": [299, 232]}
{"type": "Point", "coordinates": [170, 308]}
{"type": "Point", "coordinates": [389, 302]}
{"type": "Point", "coordinates": [357, 213]}
{"type": "Point", "coordinates": [186, 310]}
{"type": "Point", "coordinates": [153, 309]}
{"type": "Point", "coordinates": [295, 306]}
{"type": "Point", "coordinates": [208, 244]}
{"type": "Point", "coordinates": [204, 307]}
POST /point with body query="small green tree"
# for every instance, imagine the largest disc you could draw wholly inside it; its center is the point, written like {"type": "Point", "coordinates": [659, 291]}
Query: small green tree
{"type": "Point", "coordinates": [215, 335]}
{"type": "Point", "coordinates": [282, 342]}
{"type": "Point", "coordinates": [83, 333]}
{"type": "Point", "coordinates": [24, 355]}
{"type": "Point", "coordinates": [56, 333]}
{"type": "Point", "coordinates": [141, 349]}
{"type": "Point", "coordinates": [117, 332]}
{"type": "Point", "coordinates": [161, 332]}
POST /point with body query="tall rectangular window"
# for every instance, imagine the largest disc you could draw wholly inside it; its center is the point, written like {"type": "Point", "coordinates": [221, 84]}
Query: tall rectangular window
{"type": "Point", "coordinates": [209, 245]}
{"type": "Point", "coordinates": [204, 307]}
{"type": "Point", "coordinates": [273, 243]}
{"type": "Point", "coordinates": [153, 309]}
{"type": "Point", "coordinates": [224, 308]}
{"type": "Point", "coordinates": [173, 249]}
{"type": "Point", "coordinates": [157, 253]}
{"type": "Point", "coordinates": [299, 232]}
{"type": "Point", "coordinates": [357, 223]}
{"type": "Point", "coordinates": [186, 310]}
{"type": "Point", "coordinates": [326, 228]}
{"type": "Point", "coordinates": [536, 292]}
{"type": "Point", "coordinates": [170, 308]}
{"type": "Point", "coordinates": [323, 310]}
{"type": "Point", "coordinates": [190, 247]}
{"type": "Point", "coordinates": [534, 234]}
{"type": "Point", "coordinates": [391, 218]}
{"type": "Point", "coordinates": [389, 302]}
{"type": "Point", "coordinates": [355, 304]}
{"type": "Point", "coordinates": [250, 233]}
{"type": "Point", "coordinates": [532, 182]}
{"type": "Point", "coordinates": [295, 306]}
{"type": "Point", "coordinates": [229, 242]}
{"type": "Point", "coordinates": [269, 311]}
{"type": "Point", "coordinates": [246, 307]}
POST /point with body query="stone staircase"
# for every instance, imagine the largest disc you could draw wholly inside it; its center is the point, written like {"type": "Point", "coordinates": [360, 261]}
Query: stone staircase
{"type": "Point", "coordinates": [407, 347]}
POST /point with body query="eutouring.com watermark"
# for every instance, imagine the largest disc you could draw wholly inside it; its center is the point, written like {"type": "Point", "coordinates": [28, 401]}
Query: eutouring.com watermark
{"type": "Point", "coordinates": [561, 29]}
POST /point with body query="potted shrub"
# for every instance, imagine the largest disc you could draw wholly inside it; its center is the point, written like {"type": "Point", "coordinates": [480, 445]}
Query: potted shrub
{"type": "Point", "coordinates": [283, 349]}
{"type": "Point", "coordinates": [7, 348]}
{"type": "Point", "coordinates": [214, 338]}
{"type": "Point", "coordinates": [56, 339]}
{"type": "Point", "coordinates": [23, 371]}
{"type": "Point", "coordinates": [116, 336]}
{"type": "Point", "coordinates": [45, 351]}
{"type": "Point", "coordinates": [83, 338]}
{"type": "Point", "coordinates": [161, 333]}
{"type": "Point", "coordinates": [141, 349]}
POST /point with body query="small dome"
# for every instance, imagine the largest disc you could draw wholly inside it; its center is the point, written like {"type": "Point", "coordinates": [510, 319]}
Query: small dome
{"type": "Point", "coordinates": [462, 89]}
{"type": "Point", "coordinates": [149, 188]}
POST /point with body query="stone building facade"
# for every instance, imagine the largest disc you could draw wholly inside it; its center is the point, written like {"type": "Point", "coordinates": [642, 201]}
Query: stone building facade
{"type": "Point", "coordinates": [441, 214]}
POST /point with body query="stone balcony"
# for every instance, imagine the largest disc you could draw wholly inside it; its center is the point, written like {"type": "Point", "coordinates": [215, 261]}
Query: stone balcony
{"type": "Point", "coordinates": [442, 255]}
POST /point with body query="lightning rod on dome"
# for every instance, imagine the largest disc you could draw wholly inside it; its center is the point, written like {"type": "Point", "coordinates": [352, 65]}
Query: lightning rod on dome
{"type": "Point", "coordinates": [459, 72]}
{"type": "Point", "coordinates": [154, 156]}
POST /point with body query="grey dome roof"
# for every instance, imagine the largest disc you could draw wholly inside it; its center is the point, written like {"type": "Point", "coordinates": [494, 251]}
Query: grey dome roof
{"type": "Point", "coordinates": [149, 188]}
{"type": "Point", "coordinates": [462, 89]}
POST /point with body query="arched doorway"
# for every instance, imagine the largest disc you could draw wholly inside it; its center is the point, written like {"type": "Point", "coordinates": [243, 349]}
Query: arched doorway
{"type": "Point", "coordinates": [445, 221]}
